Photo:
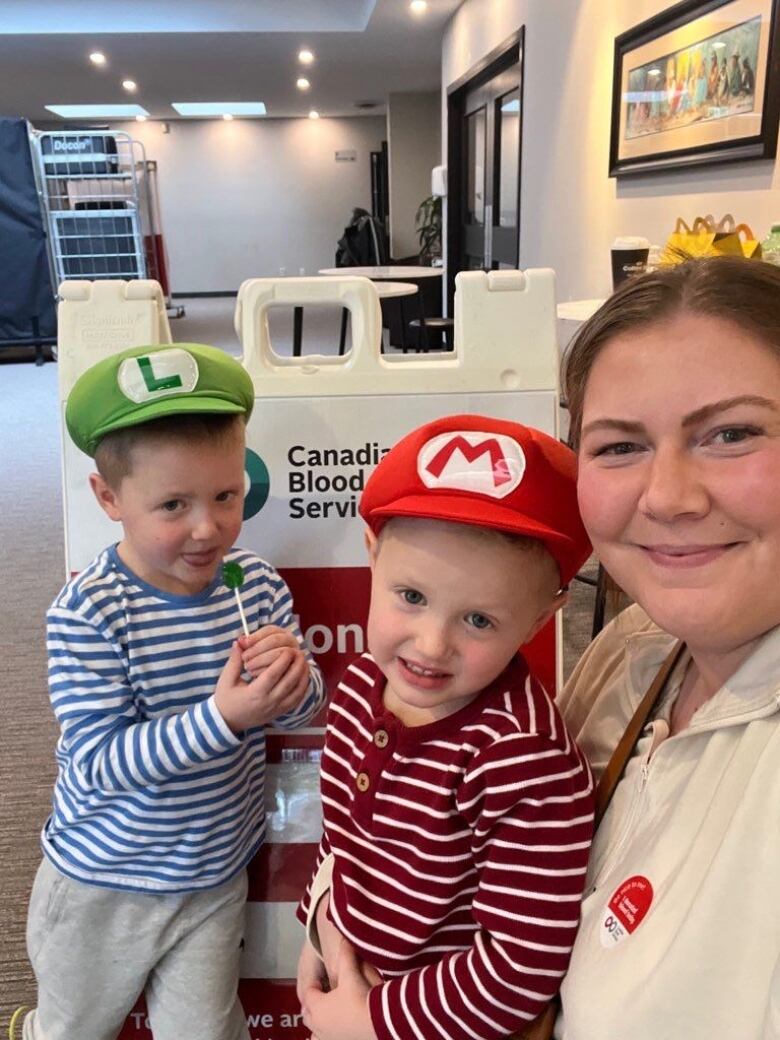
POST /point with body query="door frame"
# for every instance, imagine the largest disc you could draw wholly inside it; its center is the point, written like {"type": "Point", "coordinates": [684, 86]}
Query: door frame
{"type": "Point", "coordinates": [510, 52]}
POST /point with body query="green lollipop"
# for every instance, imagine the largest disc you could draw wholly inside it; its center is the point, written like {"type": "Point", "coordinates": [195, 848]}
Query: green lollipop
{"type": "Point", "coordinates": [233, 577]}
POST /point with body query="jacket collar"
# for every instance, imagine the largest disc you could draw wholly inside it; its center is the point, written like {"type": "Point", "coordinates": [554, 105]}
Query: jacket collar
{"type": "Point", "coordinates": [752, 692]}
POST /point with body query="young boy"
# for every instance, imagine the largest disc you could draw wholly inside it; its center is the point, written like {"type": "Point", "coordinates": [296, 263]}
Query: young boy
{"type": "Point", "coordinates": [458, 812]}
{"type": "Point", "coordinates": [158, 802]}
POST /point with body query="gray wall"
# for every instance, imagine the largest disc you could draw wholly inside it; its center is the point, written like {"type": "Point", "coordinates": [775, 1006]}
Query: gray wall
{"type": "Point", "coordinates": [246, 198]}
{"type": "Point", "coordinates": [414, 144]}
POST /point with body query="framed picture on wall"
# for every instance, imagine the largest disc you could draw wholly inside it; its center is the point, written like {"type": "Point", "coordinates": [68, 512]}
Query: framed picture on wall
{"type": "Point", "coordinates": [698, 83]}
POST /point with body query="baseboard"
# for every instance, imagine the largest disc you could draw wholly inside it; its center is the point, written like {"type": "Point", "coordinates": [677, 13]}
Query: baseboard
{"type": "Point", "coordinates": [202, 295]}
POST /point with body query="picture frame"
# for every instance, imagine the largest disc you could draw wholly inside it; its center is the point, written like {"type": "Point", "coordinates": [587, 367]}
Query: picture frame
{"type": "Point", "coordinates": [698, 83]}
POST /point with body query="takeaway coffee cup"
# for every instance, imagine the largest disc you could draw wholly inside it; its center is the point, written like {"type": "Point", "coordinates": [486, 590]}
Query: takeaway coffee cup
{"type": "Point", "coordinates": [629, 257]}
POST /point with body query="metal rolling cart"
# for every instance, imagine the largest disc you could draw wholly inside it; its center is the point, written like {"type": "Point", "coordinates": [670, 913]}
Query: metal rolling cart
{"type": "Point", "coordinates": [99, 196]}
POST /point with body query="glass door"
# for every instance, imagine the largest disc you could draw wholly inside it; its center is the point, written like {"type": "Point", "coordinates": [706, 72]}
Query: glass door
{"type": "Point", "coordinates": [485, 147]}
{"type": "Point", "coordinates": [474, 226]}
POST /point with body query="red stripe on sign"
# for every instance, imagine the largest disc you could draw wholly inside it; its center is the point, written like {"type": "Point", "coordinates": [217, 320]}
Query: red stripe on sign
{"type": "Point", "coordinates": [279, 873]}
{"type": "Point", "coordinates": [273, 1011]}
{"type": "Point", "coordinates": [271, 1007]}
{"type": "Point", "coordinates": [540, 655]}
{"type": "Point", "coordinates": [332, 604]}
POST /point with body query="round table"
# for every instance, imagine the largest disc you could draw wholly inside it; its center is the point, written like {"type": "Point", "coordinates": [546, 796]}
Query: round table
{"type": "Point", "coordinates": [389, 290]}
{"type": "Point", "coordinates": [385, 291]}
{"type": "Point", "coordinates": [577, 310]}
{"type": "Point", "coordinates": [386, 272]}
{"type": "Point", "coordinates": [428, 300]}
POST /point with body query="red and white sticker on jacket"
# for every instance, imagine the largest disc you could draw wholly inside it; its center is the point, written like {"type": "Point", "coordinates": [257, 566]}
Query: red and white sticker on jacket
{"type": "Point", "coordinates": [626, 910]}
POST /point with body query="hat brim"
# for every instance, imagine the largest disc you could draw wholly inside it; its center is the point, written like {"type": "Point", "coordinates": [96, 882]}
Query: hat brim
{"type": "Point", "coordinates": [189, 405]}
{"type": "Point", "coordinates": [472, 511]}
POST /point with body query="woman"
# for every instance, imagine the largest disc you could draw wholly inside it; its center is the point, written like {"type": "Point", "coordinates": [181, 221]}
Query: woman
{"type": "Point", "coordinates": [674, 393]}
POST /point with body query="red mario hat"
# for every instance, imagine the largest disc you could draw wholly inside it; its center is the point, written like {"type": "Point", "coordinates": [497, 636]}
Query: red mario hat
{"type": "Point", "coordinates": [472, 469]}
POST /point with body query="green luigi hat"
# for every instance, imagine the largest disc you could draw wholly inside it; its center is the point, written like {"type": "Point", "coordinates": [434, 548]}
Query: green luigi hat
{"type": "Point", "coordinates": [145, 383]}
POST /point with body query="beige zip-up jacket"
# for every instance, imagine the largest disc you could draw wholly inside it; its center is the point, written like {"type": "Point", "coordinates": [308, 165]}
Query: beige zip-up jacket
{"type": "Point", "coordinates": [680, 934]}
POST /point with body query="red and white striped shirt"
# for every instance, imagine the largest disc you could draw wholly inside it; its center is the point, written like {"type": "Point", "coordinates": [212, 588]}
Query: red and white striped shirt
{"type": "Point", "coordinates": [460, 853]}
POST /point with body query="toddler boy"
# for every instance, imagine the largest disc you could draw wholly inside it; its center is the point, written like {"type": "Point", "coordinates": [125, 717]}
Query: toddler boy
{"type": "Point", "coordinates": [458, 812]}
{"type": "Point", "coordinates": [158, 802]}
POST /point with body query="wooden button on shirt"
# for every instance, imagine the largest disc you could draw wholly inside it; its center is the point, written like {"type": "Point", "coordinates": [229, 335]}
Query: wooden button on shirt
{"type": "Point", "coordinates": [381, 738]}
{"type": "Point", "coordinates": [362, 781]}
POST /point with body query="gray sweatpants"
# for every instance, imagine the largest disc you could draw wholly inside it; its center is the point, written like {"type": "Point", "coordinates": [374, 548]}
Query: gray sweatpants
{"type": "Point", "coordinates": [95, 950]}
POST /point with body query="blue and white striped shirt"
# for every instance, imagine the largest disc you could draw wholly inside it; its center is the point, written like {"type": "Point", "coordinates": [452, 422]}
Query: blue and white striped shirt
{"type": "Point", "coordinates": [154, 792]}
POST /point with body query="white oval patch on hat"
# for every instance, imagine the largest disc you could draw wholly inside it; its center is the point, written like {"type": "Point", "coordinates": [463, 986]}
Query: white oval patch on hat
{"type": "Point", "coordinates": [467, 460]}
{"type": "Point", "coordinates": [149, 376]}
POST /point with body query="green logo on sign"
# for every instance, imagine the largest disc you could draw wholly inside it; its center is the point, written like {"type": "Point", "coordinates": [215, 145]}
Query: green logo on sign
{"type": "Point", "coordinates": [152, 383]}
{"type": "Point", "coordinates": [259, 484]}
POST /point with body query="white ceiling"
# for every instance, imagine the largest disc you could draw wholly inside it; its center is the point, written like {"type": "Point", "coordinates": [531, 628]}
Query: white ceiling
{"type": "Point", "coordinates": [216, 50]}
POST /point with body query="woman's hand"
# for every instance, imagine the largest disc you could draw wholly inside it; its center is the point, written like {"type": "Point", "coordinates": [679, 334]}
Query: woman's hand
{"type": "Point", "coordinates": [342, 1014]}
{"type": "Point", "coordinates": [330, 940]}
{"type": "Point", "coordinates": [311, 971]}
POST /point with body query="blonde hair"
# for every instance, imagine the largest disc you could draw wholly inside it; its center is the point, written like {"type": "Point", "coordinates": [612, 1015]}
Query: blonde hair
{"type": "Point", "coordinates": [740, 291]}
{"type": "Point", "coordinates": [114, 454]}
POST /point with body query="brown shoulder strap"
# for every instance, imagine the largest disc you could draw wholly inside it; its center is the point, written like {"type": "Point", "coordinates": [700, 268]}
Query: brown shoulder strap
{"type": "Point", "coordinates": [610, 778]}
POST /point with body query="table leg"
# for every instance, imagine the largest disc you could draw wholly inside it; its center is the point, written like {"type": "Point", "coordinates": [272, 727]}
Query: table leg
{"type": "Point", "coordinates": [297, 330]}
{"type": "Point", "coordinates": [343, 333]}
{"type": "Point", "coordinates": [423, 341]}
{"type": "Point", "coordinates": [36, 325]}
{"type": "Point", "coordinates": [404, 342]}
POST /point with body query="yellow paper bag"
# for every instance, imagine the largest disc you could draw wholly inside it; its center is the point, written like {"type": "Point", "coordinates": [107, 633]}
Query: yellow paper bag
{"type": "Point", "coordinates": [677, 242]}
{"type": "Point", "coordinates": [705, 238]}
{"type": "Point", "coordinates": [751, 247]}
{"type": "Point", "coordinates": [726, 239]}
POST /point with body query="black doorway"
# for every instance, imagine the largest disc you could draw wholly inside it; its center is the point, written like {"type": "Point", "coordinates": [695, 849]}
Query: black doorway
{"type": "Point", "coordinates": [485, 114]}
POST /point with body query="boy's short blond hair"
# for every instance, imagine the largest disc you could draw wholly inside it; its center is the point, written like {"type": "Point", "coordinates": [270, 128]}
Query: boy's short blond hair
{"type": "Point", "coordinates": [536, 550]}
{"type": "Point", "coordinates": [114, 453]}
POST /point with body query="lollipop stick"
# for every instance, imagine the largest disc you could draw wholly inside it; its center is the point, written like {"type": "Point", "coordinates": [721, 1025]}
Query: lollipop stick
{"type": "Point", "coordinates": [241, 612]}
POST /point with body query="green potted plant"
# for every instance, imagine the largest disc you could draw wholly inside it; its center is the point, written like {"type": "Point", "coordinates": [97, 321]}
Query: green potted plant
{"type": "Point", "coordinates": [428, 226]}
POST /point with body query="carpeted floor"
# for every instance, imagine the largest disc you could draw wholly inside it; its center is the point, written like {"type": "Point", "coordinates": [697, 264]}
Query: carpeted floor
{"type": "Point", "coordinates": [32, 569]}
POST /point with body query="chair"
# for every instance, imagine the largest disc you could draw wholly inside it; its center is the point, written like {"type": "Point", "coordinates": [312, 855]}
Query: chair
{"type": "Point", "coordinates": [443, 328]}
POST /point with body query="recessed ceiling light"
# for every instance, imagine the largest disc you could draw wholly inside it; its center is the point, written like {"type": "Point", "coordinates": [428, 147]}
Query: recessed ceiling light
{"type": "Point", "coordinates": [302, 83]}
{"type": "Point", "coordinates": [130, 85]}
{"type": "Point", "coordinates": [140, 119]}
{"type": "Point", "coordinates": [418, 6]}
{"type": "Point", "coordinates": [305, 56]}
{"type": "Point", "coordinates": [227, 115]}
{"type": "Point", "coordinates": [97, 58]}
{"type": "Point", "coordinates": [314, 114]}
{"type": "Point", "coordinates": [199, 109]}
{"type": "Point", "coordinates": [97, 111]}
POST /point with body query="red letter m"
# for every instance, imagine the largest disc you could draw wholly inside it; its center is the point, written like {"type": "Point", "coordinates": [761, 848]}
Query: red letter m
{"type": "Point", "coordinates": [470, 453]}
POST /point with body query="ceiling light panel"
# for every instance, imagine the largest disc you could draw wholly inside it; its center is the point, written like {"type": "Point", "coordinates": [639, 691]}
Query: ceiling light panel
{"type": "Point", "coordinates": [97, 111]}
{"type": "Point", "coordinates": [195, 109]}
{"type": "Point", "coordinates": [302, 83]}
{"type": "Point", "coordinates": [97, 58]}
{"type": "Point", "coordinates": [305, 56]}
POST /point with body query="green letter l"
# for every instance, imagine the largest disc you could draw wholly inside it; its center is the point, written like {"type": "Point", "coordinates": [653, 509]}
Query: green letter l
{"type": "Point", "coordinates": [152, 383]}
